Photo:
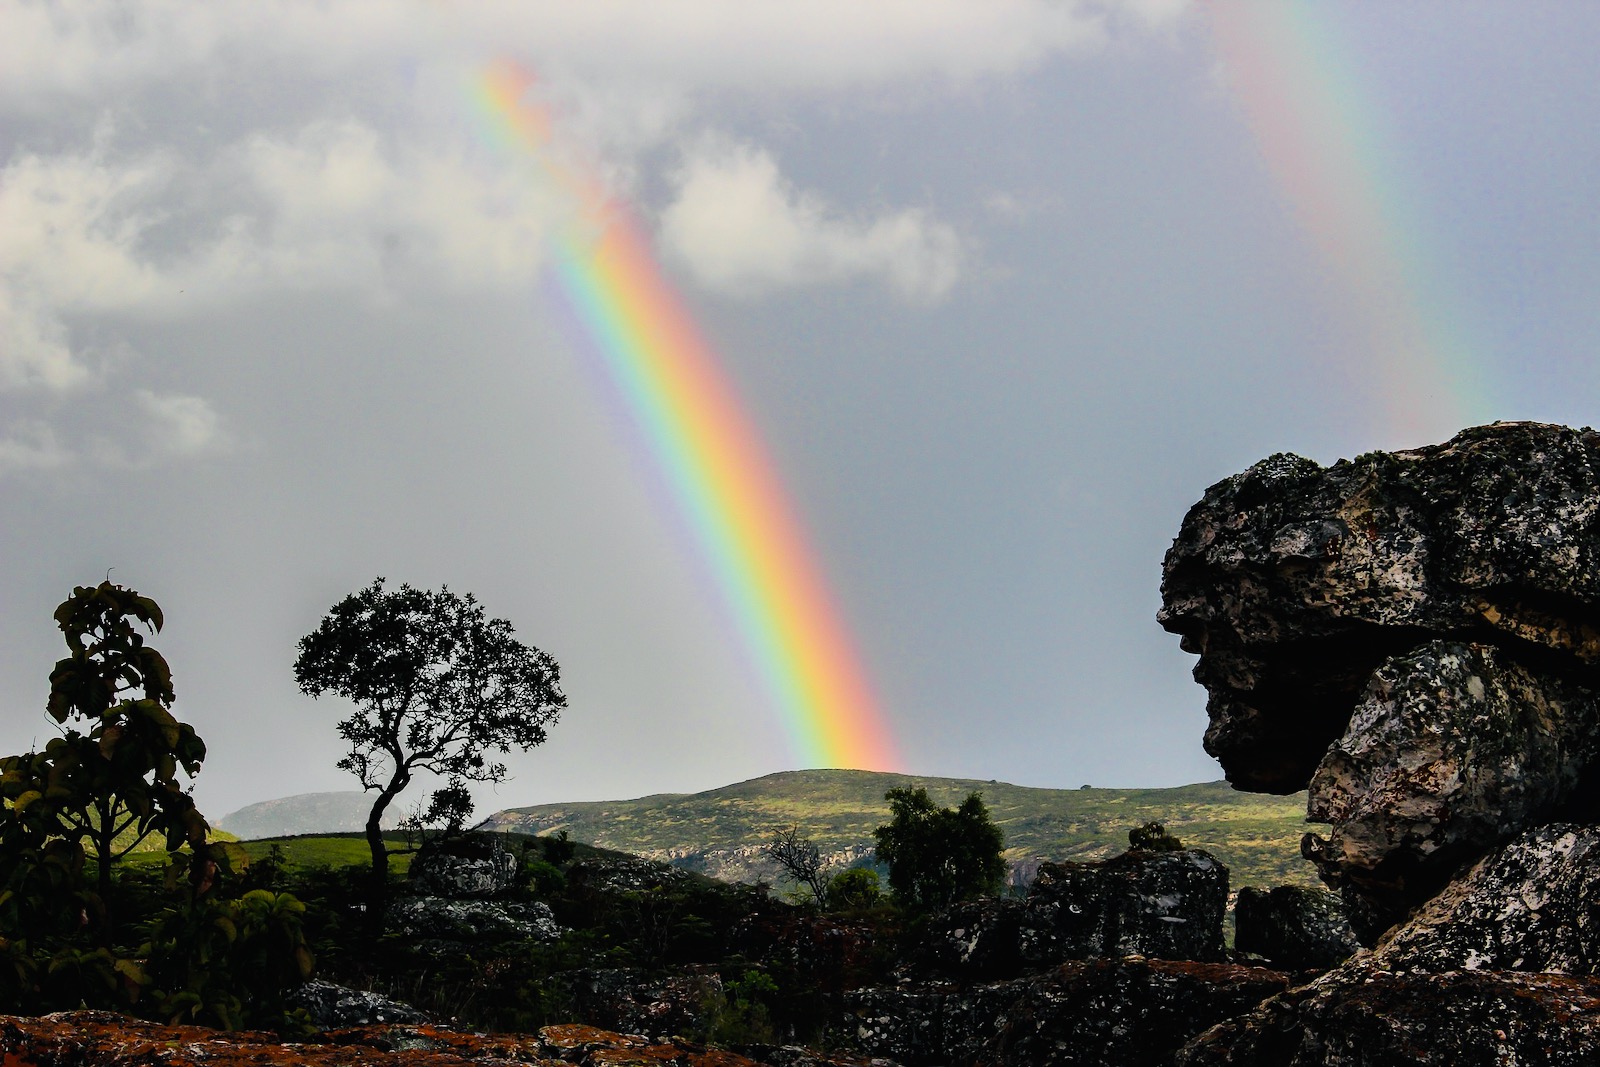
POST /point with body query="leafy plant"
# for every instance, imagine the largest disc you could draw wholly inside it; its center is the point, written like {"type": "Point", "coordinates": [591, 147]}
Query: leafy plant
{"type": "Point", "coordinates": [1153, 837]}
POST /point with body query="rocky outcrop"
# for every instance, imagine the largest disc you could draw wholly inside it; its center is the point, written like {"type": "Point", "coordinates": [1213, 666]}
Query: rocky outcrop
{"type": "Point", "coordinates": [632, 1001]}
{"type": "Point", "coordinates": [1415, 635]}
{"type": "Point", "coordinates": [1166, 905]}
{"type": "Point", "coordinates": [1293, 927]}
{"type": "Point", "coordinates": [1497, 969]}
{"type": "Point", "coordinates": [1105, 1013]}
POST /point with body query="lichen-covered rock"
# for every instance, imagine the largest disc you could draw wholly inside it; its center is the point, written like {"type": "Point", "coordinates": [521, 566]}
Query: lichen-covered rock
{"type": "Point", "coordinates": [1293, 927]}
{"type": "Point", "coordinates": [1451, 749]}
{"type": "Point", "coordinates": [1416, 635]}
{"type": "Point", "coordinates": [1165, 905]}
{"type": "Point", "coordinates": [1362, 1016]}
{"type": "Point", "coordinates": [329, 1006]}
{"type": "Point", "coordinates": [1105, 1013]}
{"type": "Point", "coordinates": [1531, 905]}
{"type": "Point", "coordinates": [439, 918]}
{"type": "Point", "coordinates": [820, 953]}
{"type": "Point", "coordinates": [104, 1039]}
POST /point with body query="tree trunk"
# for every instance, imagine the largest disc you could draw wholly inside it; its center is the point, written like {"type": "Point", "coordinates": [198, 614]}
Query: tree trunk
{"type": "Point", "coordinates": [378, 893]}
{"type": "Point", "coordinates": [102, 838]}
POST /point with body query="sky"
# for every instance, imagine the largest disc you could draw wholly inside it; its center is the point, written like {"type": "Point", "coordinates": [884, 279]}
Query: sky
{"type": "Point", "coordinates": [997, 289]}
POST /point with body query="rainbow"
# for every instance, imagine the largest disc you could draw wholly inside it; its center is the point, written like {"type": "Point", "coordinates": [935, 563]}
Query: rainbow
{"type": "Point", "coordinates": [708, 451]}
{"type": "Point", "coordinates": [1321, 140]}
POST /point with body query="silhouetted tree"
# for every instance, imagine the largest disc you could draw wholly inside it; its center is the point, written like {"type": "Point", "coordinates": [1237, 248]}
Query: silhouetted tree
{"type": "Point", "coordinates": [437, 687]}
{"type": "Point", "coordinates": [937, 856]}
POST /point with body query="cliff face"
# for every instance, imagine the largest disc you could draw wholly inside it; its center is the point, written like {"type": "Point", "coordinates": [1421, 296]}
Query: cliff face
{"type": "Point", "coordinates": [1413, 635]}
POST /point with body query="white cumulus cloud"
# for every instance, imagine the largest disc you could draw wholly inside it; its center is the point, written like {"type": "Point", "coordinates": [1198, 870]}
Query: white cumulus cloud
{"type": "Point", "coordinates": [742, 229]}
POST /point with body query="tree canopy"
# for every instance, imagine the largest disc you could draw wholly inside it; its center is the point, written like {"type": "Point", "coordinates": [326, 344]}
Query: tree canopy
{"type": "Point", "coordinates": [937, 856]}
{"type": "Point", "coordinates": [438, 688]}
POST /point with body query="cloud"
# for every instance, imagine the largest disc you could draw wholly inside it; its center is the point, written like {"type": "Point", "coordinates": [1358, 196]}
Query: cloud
{"type": "Point", "coordinates": [742, 229]}
{"type": "Point", "coordinates": [31, 446]}
{"type": "Point", "coordinates": [179, 425]}
{"type": "Point", "coordinates": [85, 49]}
{"type": "Point", "coordinates": [72, 226]}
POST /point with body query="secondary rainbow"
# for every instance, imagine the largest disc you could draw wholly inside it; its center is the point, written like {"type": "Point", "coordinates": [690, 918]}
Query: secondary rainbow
{"type": "Point", "coordinates": [707, 450]}
{"type": "Point", "coordinates": [1322, 139]}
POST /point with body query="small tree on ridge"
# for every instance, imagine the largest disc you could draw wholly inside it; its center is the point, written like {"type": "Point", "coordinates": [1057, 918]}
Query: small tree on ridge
{"type": "Point", "coordinates": [437, 687]}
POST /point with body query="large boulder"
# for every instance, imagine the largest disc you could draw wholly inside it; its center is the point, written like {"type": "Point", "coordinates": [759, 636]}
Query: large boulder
{"type": "Point", "coordinates": [1413, 635]}
{"type": "Point", "coordinates": [1362, 1016]}
{"type": "Point", "coordinates": [1164, 905]}
{"type": "Point", "coordinates": [478, 866]}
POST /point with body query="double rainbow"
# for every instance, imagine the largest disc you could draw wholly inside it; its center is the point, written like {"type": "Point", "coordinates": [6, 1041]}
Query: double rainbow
{"type": "Point", "coordinates": [1320, 134]}
{"type": "Point", "coordinates": [708, 451]}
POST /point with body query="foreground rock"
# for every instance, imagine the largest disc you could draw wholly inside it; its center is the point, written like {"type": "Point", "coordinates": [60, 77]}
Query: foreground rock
{"type": "Point", "coordinates": [1414, 635]}
{"type": "Point", "coordinates": [103, 1039]}
{"type": "Point", "coordinates": [1293, 927]}
{"type": "Point", "coordinates": [1165, 905]}
{"type": "Point", "coordinates": [1105, 1013]}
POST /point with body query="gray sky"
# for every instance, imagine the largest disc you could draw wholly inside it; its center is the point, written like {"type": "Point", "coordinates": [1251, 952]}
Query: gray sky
{"type": "Point", "coordinates": [1004, 285]}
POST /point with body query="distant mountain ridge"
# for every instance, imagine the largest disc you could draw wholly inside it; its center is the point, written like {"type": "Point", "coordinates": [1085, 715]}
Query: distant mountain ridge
{"type": "Point", "coordinates": [343, 811]}
{"type": "Point", "coordinates": [722, 832]}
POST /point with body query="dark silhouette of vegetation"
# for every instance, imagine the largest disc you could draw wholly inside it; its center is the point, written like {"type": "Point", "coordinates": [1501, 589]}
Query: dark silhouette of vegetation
{"type": "Point", "coordinates": [166, 943]}
{"type": "Point", "coordinates": [436, 685]}
{"type": "Point", "coordinates": [801, 860]}
{"type": "Point", "coordinates": [937, 856]}
{"type": "Point", "coordinates": [1153, 837]}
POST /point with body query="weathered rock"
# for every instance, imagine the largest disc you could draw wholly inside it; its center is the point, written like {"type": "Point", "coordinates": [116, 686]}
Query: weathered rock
{"type": "Point", "coordinates": [1293, 927]}
{"type": "Point", "coordinates": [1531, 905]}
{"type": "Point", "coordinates": [104, 1039]}
{"type": "Point", "coordinates": [1165, 905]}
{"type": "Point", "coordinates": [1414, 634]}
{"type": "Point", "coordinates": [1105, 1013]}
{"type": "Point", "coordinates": [439, 918]}
{"type": "Point", "coordinates": [478, 867]}
{"type": "Point", "coordinates": [1361, 1016]}
{"type": "Point", "coordinates": [329, 1006]}
{"type": "Point", "coordinates": [630, 1000]}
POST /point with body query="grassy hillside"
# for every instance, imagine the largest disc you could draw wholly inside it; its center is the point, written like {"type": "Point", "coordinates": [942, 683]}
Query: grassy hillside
{"type": "Point", "coordinates": [722, 830]}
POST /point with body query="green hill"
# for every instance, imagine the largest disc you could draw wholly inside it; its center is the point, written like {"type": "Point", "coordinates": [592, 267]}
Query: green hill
{"type": "Point", "coordinates": [722, 832]}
